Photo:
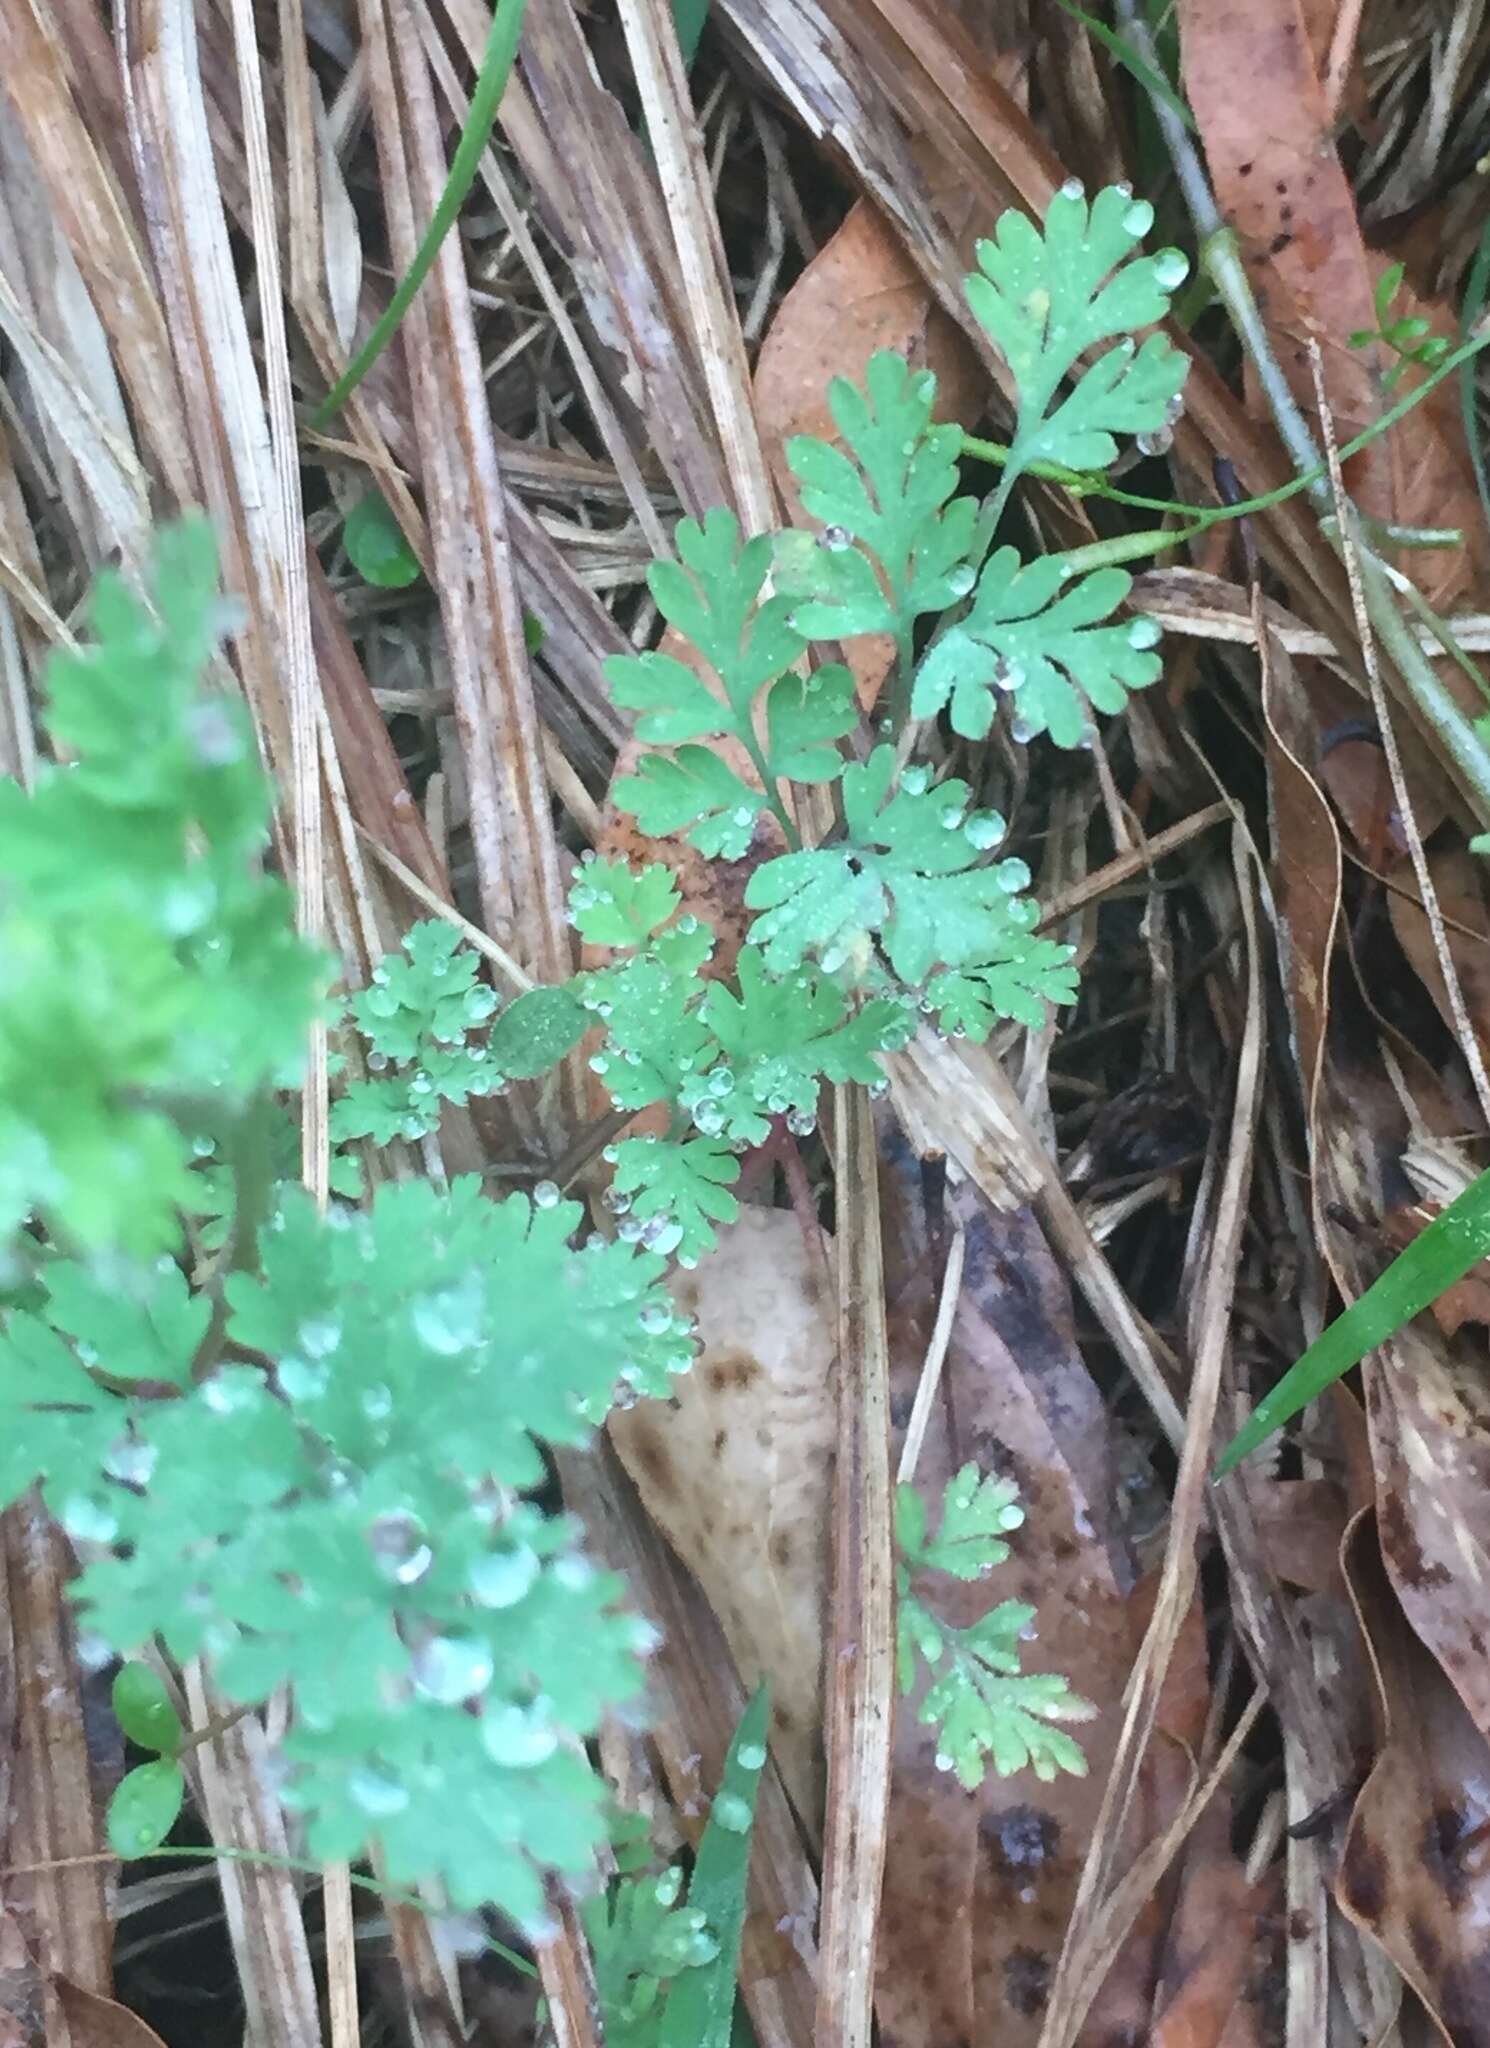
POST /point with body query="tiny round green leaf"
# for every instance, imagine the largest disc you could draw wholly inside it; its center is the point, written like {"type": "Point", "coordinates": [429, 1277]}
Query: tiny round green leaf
{"type": "Point", "coordinates": [145, 1711]}
{"type": "Point", "coordinates": [534, 1032]}
{"type": "Point", "coordinates": [144, 1807]}
{"type": "Point", "coordinates": [376, 545]}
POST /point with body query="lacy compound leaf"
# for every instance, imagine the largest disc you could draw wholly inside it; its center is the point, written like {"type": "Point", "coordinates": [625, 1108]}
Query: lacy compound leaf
{"type": "Point", "coordinates": [1028, 973]}
{"type": "Point", "coordinates": [891, 494]}
{"type": "Point", "coordinates": [782, 1037]}
{"type": "Point", "coordinates": [907, 871]}
{"type": "Point", "coordinates": [715, 599]}
{"type": "Point", "coordinates": [693, 788]}
{"type": "Point", "coordinates": [1046, 297]}
{"type": "Point", "coordinates": [147, 955]}
{"type": "Point", "coordinates": [984, 1707]}
{"type": "Point", "coordinates": [345, 1517]}
{"type": "Point", "coordinates": [1042, 639]}
{"type": "Point", "coordinates": [612, 904]}
{"type": "Point", "coordinates": [685, 1183]}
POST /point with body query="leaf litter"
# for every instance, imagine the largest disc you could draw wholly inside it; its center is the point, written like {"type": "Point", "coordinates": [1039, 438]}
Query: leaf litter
{"type": "Point", "coordinates": [569, 384]}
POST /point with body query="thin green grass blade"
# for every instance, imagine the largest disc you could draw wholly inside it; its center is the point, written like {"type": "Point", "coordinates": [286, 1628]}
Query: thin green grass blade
{"type": "Point", "coordinates": [701, 2003]}
{"type": "Point", "coordinates": [1474, 305]}
{"type": "Point", "coordinates": [1152, 80]}
{"type": "Point", "coordinates": [689, 19]}
{"type": "Point", "coordinates": [1444, 1253]}
{"type": "Point", "coordinates": [491, 83]}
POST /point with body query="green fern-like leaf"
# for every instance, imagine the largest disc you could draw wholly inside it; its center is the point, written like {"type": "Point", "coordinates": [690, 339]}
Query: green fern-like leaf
{"type": "Point", "coordinates": [147, 956]}
{"type": "Point", "coordinates": [977, 1513]}
{"type": "Point", "coordinates": [428, 1019]}
{"type": "Point", "coordinates": [693, 790]}
{"type": "Point", "coordinates": [907, 871]}
{"type": "Point", "coordinates": [1028, 973]}
{"type": "Point", "coordinates": [982, 1704]}
{"type": "Point", "coordinates": [782, 1036]}
{"type": "Point", "coordinates": [611, 904]}
{"type": "Point", "coordinates": [1037, 636]}
{"type": "Point", "coordinates": [684, 1183]}
{"type": "Point", "coordinates": [893, 494]}
{"type": "Point", "coordinates": [348, 1518]}
{"type": "Point", "coordinates": [1047, 296]}
{"type": "Point", "coordinates": [985, 1710]}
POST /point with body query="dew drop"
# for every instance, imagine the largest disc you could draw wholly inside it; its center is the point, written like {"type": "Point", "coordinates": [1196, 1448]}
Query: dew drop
{"type": "Point", "coordinates": [1143, 633]}
{"type": "Point", "coordinates": [378, 1795]}
{"type": "Point", "coordinates": [450, 1321]}
{"type": "Point", "coordinates": [1138, 218]}
{"type": "Point", "coordinates": [732, 1812]}
{"type": "Point", "coordinates": [546, 1195]}
{"type": "Point", "coordinates": [452, 1668]}
{"type": "Point", "coordinates": [915, 780]}
{"type": "Point", "coordinates": [750, 1757]}
{"type": "Point", "coordinates": [500, 1578]}
{"type": "Point", "coordinates": [518, 1737]}
{"type": "Point", "coordinates": [835, 539]}
{"type": "Point", "coordinates": [131, 1460]}
{"type": "Point", "coordinates": [88, 1521]}
{"type": "Point", "coordinates": [961, 579]}
{"type": "Point", "coordinates": [318, 1336]}
{"type": "Point", "coordinates": [1073, 189]}
{"type": "Point", "coordinates": [1171, 268]}
{"type": "Point", "coordinates": [984, 829]}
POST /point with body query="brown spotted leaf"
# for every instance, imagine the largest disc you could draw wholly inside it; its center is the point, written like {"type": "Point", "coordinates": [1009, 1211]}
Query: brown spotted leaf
{"type": "Point", "coordinates": [979, 1886]}
{"type": "Point", "coordinates": [1415, 1872]}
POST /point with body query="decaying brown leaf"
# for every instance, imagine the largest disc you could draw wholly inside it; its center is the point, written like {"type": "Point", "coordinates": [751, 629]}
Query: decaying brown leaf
{"type": "Point", "coordinates": [736, 1469]}
{"type": "Point", "coordinates": [1416, 1864]}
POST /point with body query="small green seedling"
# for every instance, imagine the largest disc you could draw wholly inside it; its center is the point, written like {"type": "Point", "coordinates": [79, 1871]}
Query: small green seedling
{"type": "Point", "coordinates": [1405, 336]}
{"type": "Point", "coordinates": [984, 1707]}
{"type": "Point", "coordinates": [147, 1800]}
{"type": "Point", "coordinates": [376, 546]}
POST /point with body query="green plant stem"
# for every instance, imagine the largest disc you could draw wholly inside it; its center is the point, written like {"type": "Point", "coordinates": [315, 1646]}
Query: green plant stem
{"type": "Point", "coordinates": [491, 83]}
{"type": "Point", "coordinates": [389, 1893]}
{"type": "Point", "coordinates": [1221, 258]}
{"type": "Point", "coordinates": [770, 785]}
{"type": "Point", "coordinates": [251, 1163]}
{"type": "Point", "coordinates": [1083, 484]}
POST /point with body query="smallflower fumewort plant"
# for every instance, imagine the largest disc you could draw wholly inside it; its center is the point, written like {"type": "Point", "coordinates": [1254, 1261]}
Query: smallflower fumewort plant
{"type": "Point", "coordinates": [310, 1448]}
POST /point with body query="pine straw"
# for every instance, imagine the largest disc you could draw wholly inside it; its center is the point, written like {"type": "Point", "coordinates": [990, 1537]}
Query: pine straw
{"type": "Point", "coordinates": [198, 220]}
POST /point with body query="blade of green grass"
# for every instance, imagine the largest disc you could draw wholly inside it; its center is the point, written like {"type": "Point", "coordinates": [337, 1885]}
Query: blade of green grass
{"type": "Point", "coordinates": [1469, 313]}
{"type": "Point", "coordinates": [486, 97]}
{"type": "Point", "coordinates": [689, 18]}
{"type": "Point", "coordinates": [1442, 1254]}
{"type": "Point", "coordinates": [701, 2003]}
{"type": "Point", "coordinates": [1148, 76]}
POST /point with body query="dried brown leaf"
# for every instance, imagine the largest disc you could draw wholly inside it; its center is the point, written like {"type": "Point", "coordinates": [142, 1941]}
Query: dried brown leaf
{"type": "Point", "coordinates": [1415, 1872]}
{"type": "Point", "coordinates": [736, 1469]}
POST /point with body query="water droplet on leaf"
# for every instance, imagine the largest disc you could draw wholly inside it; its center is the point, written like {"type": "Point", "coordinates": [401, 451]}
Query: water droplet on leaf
{"type": "Point", "coordinates": [452, 1668]}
